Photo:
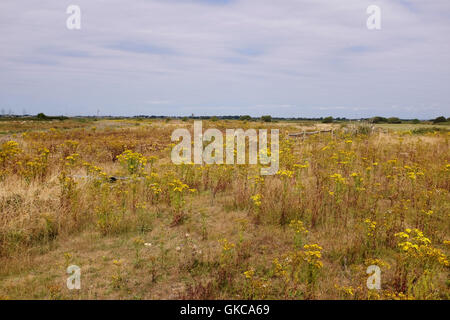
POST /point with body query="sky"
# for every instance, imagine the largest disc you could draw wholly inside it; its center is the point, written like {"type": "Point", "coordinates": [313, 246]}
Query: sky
{"type": "Point", "coordinates": [286, 58]}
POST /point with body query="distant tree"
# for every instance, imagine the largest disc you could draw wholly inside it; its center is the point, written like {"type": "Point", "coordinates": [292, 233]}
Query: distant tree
{"type": "Point", "coordinates": [266, 118]}
{"type": "Point", "coordinates": [245, 118]}
{"type": "Point", "coordinates": [439, 119]}
{"type": "Point", "coordinates": [394, 120]}
{"type": "Point", "coordinates": [214, 119]}
{"type": "Point", "coordinates": [378, 119]}
{"type": "Point", "coordinates": [184, 119]}
{"type": "Point", "coordinates": [41, 116]}
{"type": "Point", "coordinates": [415, 121]}
{"type": "Point", "coordinates": [327, 120]}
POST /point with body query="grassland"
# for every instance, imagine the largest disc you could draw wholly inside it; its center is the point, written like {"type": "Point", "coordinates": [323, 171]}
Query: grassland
{"type": "Point", "coordinates": [362, 196]}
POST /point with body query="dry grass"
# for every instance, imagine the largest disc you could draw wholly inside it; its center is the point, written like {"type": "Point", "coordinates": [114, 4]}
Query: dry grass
{"type": "Point", "coordinates": [339, 203]}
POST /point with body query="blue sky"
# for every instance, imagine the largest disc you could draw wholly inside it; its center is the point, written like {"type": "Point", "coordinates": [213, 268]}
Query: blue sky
{"type": "Point", "coordinates": [295, 58]}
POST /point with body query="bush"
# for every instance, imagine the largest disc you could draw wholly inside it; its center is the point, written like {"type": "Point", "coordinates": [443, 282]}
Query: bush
{"type": "Point", "coordinates": [266, 118]}
{"type": "Point", "coordinates": [394, 120]}
{"type": "Point", "coordinates": [245, 118]}
{"type": "Point", "coordinates": [428, 130]}
{"type": "Point", "coordinates": [327, 120]}
{"type": "Point", "coordinates": [41, 116]}
{"type": "Point", "coordinates": [378, 120]}
{"type": "Point", "coordinates": [440, 119]}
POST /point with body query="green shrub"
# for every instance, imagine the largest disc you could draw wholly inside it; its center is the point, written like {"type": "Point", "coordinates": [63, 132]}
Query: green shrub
{"type": "Point", "coordinates": [266, 118]}
{"type": "Point", "coordinates": [440, 119]}
{"type": "Point", "coordinates": [394, 120]}
{"type": "Point", "coordinates": [327, 120]}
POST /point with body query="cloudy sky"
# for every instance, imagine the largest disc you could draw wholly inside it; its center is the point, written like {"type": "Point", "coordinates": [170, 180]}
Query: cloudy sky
{"type": "Point", "coordinates": [300, 58]}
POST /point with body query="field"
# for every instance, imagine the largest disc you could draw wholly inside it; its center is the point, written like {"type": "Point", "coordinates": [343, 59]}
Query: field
{"type": "Point", "coordinates": [105, 196]}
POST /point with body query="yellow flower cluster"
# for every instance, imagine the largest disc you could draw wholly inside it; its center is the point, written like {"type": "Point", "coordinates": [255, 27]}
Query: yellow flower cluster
{"type": "Point", "coordinates": [398, 296]}
{"type": "Point", "coordinates": [285, 173]}
{"type": "Point", "coordinates": [313, 255]}
{"type": "Point", "coordinates": [278, 269]}
{"type": "Point", "coordinates": [249, 274]}
{"type": "Point", "coordinates": [348, 291]}
{"type": "Point", "coordinates": [298, 226]}
{"type": "Point", "coordinates": [302, 166]}
{"type": "Point", "coordinates": [178, 186]}
{"type": "Point", "coordinates": [371, 227]}
{"type": "Point", "coordinates": [417, 246]}
{"type": "Point", "coordinates": [226, 245]}
{"type": "Point", "coordinates": [428, 212]}
{"type": "Point", "coordinates": [134, 162]}
{"type": "Point", "coordinates": [38, 166]}
{"type": "Point", "coordinates": [257, 199]}
{"type": "Point", "coordinates": [72, 159]}
{"type": "Point", "coordinates": [8, 150]}
{"type": "Point", "coordinates": [156, 189]}
{"type": "Point", "coordinates": [94, 170]}
{"type": "Point", "coordinates": [413, 172]}
{"type": "Point", "coordinates": [377, 262]}
{"type": "Point", "coordinates": [338, 178]}
{"type": "Point", "coordinates": [256, 180]}
{"type": "Point", "coordinates": [292, 265]}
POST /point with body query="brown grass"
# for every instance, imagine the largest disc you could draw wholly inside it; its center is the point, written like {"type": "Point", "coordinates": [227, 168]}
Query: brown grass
{"type": "Point", "coordinates": [58, 207]}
